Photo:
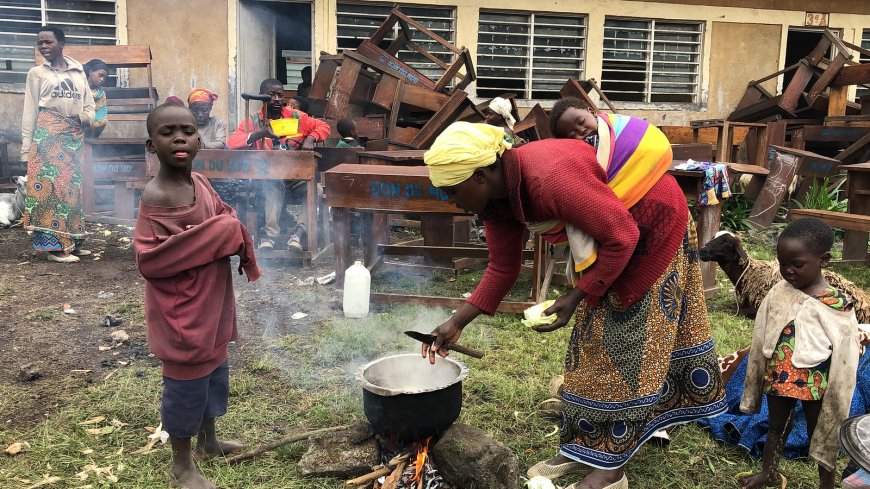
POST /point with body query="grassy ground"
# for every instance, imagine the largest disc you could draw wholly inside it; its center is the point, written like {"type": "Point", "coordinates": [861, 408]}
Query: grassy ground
{"type": "Point", "coordinates": [304, 380]}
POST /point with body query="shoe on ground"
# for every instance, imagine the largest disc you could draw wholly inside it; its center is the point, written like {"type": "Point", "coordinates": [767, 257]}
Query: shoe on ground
{"type": "Point", "coordinates": [63, 258]}
{"type": "Point", "coordinates": [294, 244]}
{"type": "Point", "coordinates": [82, 252]}
{"type": "Point", "coordinates": [266, 244]}
{"type": "Point", "coordinates": [554, 471]}
{"type": "Point", "coordinates": [620, 484]}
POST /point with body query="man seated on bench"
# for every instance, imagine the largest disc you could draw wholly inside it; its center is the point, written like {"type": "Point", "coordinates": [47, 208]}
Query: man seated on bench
{"type": "Point", "coordinates": [255, 133]}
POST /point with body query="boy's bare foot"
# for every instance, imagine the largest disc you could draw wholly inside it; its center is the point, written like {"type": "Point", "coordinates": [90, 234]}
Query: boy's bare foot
{"type": "Point", "coordinates": [189, 478]}
{"type": "Point", "coordinates": [216, 448]}
{"type": "Point", "coordinates": [761, 479]}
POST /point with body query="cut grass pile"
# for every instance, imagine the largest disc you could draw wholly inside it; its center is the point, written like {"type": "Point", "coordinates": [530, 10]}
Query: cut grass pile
{"type": "Point", "coordinates": [305, 381]}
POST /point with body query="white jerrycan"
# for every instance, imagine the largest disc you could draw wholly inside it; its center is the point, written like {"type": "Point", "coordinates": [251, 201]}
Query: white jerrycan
{"type": "Point", "coordinates": [357, 287]}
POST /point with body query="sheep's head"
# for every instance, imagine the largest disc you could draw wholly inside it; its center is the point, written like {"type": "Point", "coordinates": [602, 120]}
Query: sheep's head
{"type": "Point", "coordinates": [20, 184]}
{"type": "Point", "coordinates": [723, 248]}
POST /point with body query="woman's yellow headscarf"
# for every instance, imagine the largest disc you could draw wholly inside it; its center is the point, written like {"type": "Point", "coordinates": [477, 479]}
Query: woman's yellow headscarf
{"type": "Point", "coordinates": [462, 148]}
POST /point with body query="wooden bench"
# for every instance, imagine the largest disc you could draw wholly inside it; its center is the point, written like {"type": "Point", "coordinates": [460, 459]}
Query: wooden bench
{"type": "Point", "coordinates": [265, 165]}
{"type": "Point", "coordinates": [124, 104]}
{"type": "Point", "coordinates": [116, 165]}
{"type": "Point", "coordinates": [382, 189]}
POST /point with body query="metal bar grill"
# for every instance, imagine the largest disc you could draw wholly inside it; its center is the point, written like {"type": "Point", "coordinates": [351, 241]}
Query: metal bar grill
{"type": "Point", "coordinates": [530, 54]}
{"type": "Point", "coordinates": [649, 60]}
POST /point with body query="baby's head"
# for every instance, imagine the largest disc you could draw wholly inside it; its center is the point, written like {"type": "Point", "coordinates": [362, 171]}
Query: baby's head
{"type": "Point", "coordinates": [571, 118]}
{"type": "Point", "coordinates": [803, 249]}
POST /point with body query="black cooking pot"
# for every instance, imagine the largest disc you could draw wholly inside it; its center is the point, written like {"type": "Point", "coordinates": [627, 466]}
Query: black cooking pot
{"type": "Point", "coordinates": [406, 399]}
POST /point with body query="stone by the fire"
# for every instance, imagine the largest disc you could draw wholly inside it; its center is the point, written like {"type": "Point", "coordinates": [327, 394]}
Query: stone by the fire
{"type": "Point", "coordinates": [468, 457]}
{"type": "Point", "coordinates": [29, 373]}
{"type": "Point", "coordinates": [343, 454]}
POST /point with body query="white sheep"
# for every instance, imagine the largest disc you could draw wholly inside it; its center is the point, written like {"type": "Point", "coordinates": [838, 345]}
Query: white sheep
{"type": "Point", "coordinates": [12, 205]}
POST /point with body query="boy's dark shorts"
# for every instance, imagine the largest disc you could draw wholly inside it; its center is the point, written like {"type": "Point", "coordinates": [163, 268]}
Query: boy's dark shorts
{"type": "Point", "coordinates": [186, 402]}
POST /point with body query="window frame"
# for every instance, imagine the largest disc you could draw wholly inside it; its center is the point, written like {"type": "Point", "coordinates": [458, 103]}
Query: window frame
{"type": "Point", "coordinates": [525, 96]}
{"type": "Point", "coordinates": [46, 13]}
{"type": "Point", "coordinates": [698, 97]}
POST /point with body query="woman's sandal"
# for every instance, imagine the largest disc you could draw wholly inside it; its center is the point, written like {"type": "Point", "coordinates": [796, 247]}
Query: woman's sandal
{"type": "Point", "coordinates": [620, 484]}
{"type": "Point", "coordinates": [62, 259]}
{"type": "Point", "coordinates": [549, 471]}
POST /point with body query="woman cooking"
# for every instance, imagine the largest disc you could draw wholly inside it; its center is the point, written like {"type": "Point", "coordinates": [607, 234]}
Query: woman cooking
{"type": "Point", "coordinates": [640, 357]}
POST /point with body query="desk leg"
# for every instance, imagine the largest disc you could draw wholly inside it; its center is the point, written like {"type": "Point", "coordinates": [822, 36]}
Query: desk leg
{"type": "Point", "coordinates": [341, 232]}
{"type": "Point", "coordinates": [707, 227]}
{"type": "Point", "coordinates": [855, 242]}
{"type": "Point", "coordinates": [311, 217]}
{"type": "Point", "coordinates": [375, 231]}
{"type": "Point", "coordinates": [123, 201]}
{"type": "Point", "coordinates": [437, 230]}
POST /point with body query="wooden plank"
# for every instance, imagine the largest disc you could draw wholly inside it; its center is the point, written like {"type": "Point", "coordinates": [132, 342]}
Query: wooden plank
{"type": "Point", "coordinates": [852, 75]}
{"type": "Point", "coordinates": [448, 302]}
{"type": "Point", "coordinates": [782, 171]}
{"type": "Point", "coordinates": [858, 192]}
{"type": "Point", "coordinates": [386, 188]}
{"type": "Point", "coordinates": [440, 120]}
{"type": "Point", "coordinates": [572, 88]}
{"type": "Point", "coordinates": [425, 30]}
{"type": "Point", "coordinates": [856, 222]}
{"type": "Point", "coordinates": [423, 98]}
{"type": "Point", "coordinates": [403, 135]}
{"type": "Point", "coordinates": [695, 151]}
{"type": "Point", "coordinates": [386, 63]}
{"type": "Point", "coordinates": [385, 92]}
{"type": "Point", "coordinates": [369, 127]}
{"type": "Point", "coordinates": [832, 134]}
{"type": "Point", "coordinates": [828, 75]}
{"type": "Point", "coordinates": [792, 94]}
{"type": "Point", "coordinates": [859, 151]}
{"type": "Point", "coordinates": [339, 100]}
{"type": "Point", "coordinates": [837, 100]}
{"type": "Point", "coordinates": [116, 55]}
{"type": "Point", "coordinates": [449, 74]}
{"type": "Point", "coordinates": [323, 77]}
{"type": "Point", "coordinates": [329, 158]}
{"type": "Point", "coordinates": [254, 165]}
{"type": "Point", "coordinates": [391, 157]}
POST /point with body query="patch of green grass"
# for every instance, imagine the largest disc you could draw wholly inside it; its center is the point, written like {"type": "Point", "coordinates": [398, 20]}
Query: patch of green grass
{"type": "Point", "coordinates": [266, 363]}
{"type": "Point", "coordinates": [132, 311]}
{"type": "Point", "coordinates": [43, 313]}
{"type": "Point", "coordinates": [6, 290]}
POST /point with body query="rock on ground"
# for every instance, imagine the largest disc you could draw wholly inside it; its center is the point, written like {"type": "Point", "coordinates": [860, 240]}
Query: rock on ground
{"type": "Point", "coordinates": [344, 454]}
{"type": "Point", "coordinates": [29, 373]}
{"type": "Point", "coordinates": [469, 458]}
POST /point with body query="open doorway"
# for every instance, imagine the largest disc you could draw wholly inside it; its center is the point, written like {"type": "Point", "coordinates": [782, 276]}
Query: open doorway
{"type": "Point", "coordinates": [274, 41]}
{"type": "Point", "coordinates": [800, 42]}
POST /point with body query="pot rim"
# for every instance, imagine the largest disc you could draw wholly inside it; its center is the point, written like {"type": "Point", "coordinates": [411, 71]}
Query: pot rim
{"type": "Point", "coordinates": [384, 391]}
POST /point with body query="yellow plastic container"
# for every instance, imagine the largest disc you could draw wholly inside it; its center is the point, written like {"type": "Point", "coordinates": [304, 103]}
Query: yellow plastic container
{"type": "Point", "coordinates": [284, 128]}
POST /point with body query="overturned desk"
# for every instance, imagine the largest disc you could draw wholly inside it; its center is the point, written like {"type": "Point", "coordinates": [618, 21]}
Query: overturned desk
{"type": "Point", "coordinates": [379, 189]}
{"type": "Point", "coordinates": [264, 165]}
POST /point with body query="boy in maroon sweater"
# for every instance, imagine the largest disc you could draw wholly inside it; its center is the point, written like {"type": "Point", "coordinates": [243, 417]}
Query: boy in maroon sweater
{"type": "Point", "coordinates": [184, 239]}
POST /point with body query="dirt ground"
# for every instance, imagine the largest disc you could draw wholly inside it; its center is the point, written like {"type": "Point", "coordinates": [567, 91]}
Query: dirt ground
{"type": "Point", "coordinates": [75, 350]}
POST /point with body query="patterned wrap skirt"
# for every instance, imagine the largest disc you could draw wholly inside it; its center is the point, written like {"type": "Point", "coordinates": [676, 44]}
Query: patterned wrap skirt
{"type": "Point", "coordinates": [632, 371]}
{"type": "Point", "coordinates": [53, 211]}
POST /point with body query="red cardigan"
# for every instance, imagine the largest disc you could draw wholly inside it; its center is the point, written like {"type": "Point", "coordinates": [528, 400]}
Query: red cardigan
{"type": "Point", "coordinates": [308, 126]}
{"type": "Point", "coordinates": [561, 179]}
{"type": "Point", "coordinates": [190, 308]}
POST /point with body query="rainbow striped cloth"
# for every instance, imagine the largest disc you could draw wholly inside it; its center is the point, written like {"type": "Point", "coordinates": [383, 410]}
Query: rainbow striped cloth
{"type": "Point", "coordinates": [635, 155]}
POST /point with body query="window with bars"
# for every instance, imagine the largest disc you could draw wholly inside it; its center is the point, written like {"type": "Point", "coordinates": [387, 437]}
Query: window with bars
{"type": "Point", "coordinates": [865, 43]}
{"type": "Point", "coordinates": [83, 22]}
{"type": "Point", "coordinates": [651, 60]}
{"type": "Point", "coordinates": [529, 54]}
{"type": "Point", "coordinates": [357, 22]}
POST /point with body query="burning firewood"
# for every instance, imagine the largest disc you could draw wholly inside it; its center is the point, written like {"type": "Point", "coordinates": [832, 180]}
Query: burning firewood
{"type": "Point", "coordinates": [382, 471]}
